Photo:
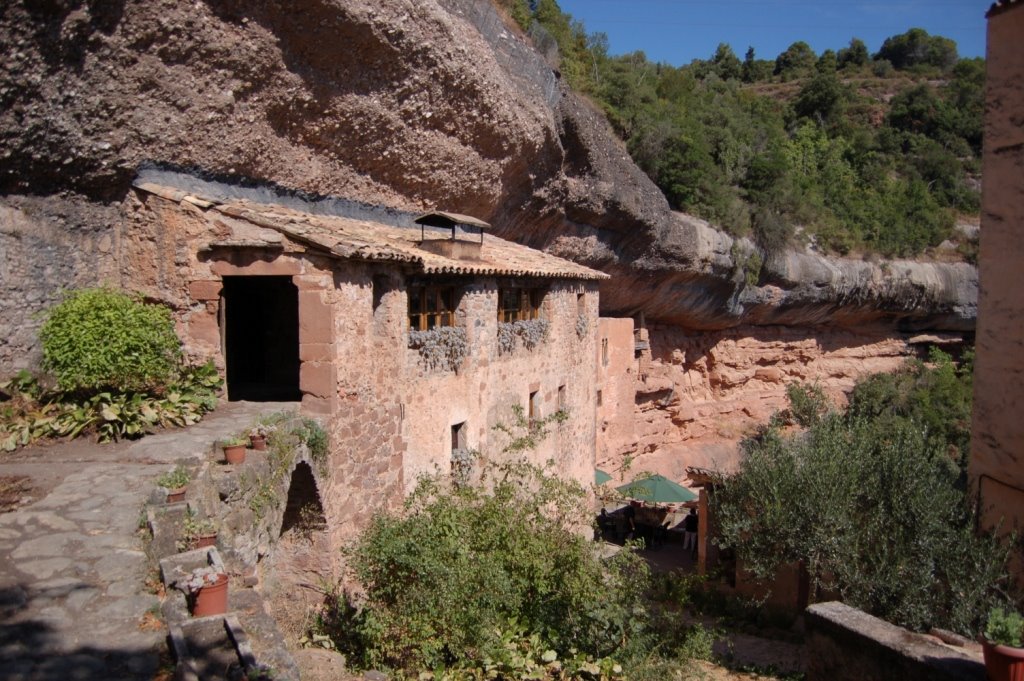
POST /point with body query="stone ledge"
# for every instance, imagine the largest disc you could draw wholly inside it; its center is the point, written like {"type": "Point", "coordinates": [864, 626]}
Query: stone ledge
{"type": "Point", "coordinates": [846, 644]}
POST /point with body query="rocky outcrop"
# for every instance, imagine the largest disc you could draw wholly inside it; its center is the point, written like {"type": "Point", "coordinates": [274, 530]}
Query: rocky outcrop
{"type": "Point", "coordinates": [409, 104]}
{"type": "Point", "coordinates": [698, 394]}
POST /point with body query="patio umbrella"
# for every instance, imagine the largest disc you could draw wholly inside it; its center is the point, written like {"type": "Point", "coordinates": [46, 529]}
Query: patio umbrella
{"type": "Point", "coordinates": [657, 489]}
{"type": "Point", "coordinates": [600, 477]}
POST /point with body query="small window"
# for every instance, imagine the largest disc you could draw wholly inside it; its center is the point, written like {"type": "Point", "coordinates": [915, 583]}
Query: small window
{"type": "Point", "coordinates": [430, 307]}
{"type": "Point", "coordinates": [459, 437]}
{"type": "Point", "coordinates": [517, 304]}
{"type": "Point", "coordinates": [581, 303]}
{"type": "Point", "coordinates": [600, 401]}
{"type": "Point", "coordinates": [561, 398]}
{"type": "Point", "coordinates": [533, 408]}
{"type": "Point", "coordinates": [604, 352]}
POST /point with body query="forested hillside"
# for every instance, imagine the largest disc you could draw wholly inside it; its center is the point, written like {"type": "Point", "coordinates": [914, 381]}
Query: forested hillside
{"type": "Point", "coordinates": [851, 151]}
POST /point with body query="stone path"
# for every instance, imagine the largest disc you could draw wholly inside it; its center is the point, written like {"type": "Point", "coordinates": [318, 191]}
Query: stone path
{"type": "Point", "coordinates": [72, 566]}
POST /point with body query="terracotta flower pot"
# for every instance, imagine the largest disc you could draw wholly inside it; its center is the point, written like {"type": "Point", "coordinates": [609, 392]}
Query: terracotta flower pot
{"type": "Point", "coordinates": [175, 495]}
{"type": "Point", "coordinates": [259, 443]}
{"type": "Point", "coordinates": [1003, 663]}
{"type": "Point", "coordinates": [212, 599]}
{"type": "Point", "coordinates": [205, 540]}
{"type": "Point", "coordinates": [234, 454]}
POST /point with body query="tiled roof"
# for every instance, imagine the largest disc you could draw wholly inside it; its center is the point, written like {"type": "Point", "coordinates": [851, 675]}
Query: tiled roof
{"type": "Point", "coordinates": [354, 239]}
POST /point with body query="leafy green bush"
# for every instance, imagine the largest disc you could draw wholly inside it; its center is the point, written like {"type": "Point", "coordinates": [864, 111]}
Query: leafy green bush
{"type": "Point", "coordinates": [871, 503]}
{"type": "Point", "coordinates": [467, 570]}
{"type": "Point", "coordinates": [100, 339]}
{"type": "Point", "coordinates": [33, 413]}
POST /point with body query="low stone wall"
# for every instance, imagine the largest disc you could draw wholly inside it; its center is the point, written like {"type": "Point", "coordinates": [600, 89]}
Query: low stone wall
{"type": "Point", "coordinates": [846, 644]}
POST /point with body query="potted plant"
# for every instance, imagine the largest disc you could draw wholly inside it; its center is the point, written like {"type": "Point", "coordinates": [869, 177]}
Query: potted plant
{"type": "Point", "coordinates": [197, 533]}
{"type": "Point", "coordinates": [207, 591]}
{"type": "Point", "coordinates": [258, 435]}
{"type": "Point", "coordinates": [1002, 645]}
{"type": "Point", "coordinates": [234, 449]}
{"type": "Point", "coordinates": [175, 482]}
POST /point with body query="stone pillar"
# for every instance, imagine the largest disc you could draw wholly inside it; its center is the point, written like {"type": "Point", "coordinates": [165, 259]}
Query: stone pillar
{"type": "Point", "coordinates": [997, 437]}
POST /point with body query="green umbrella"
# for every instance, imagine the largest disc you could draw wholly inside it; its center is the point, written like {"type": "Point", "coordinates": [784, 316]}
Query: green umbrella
{"type": "Point", "coordinates": [600, 477]}
{"type": "Point", "coordinates": [657, 489]}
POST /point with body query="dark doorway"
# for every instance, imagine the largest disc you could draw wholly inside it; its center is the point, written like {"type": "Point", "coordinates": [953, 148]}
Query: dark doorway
{"type": "Point", "coordinates": [261, 338]}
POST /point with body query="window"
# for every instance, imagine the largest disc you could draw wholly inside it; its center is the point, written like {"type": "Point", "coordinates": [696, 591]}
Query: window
{"type": "Point", "coordinates": [430, 307]}
{"type": "Point", "coordinates": [561, 398]}
{"type": "Point", "coordinates": [534, 407]}
{"type": "Point", "coordinates": [517, 304]}
{"type": "Point", "coordinates": [581, 303]}
{"type": "Point", "coordinates": [604, 352]}
{"type": "Point", "coordinates": [459, 437]}
{"type": "Point", "coordinates": [600, 399]}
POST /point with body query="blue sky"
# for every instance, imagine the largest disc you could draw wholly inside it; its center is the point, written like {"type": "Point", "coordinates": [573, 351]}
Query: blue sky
{"type": "Point", "coordinates": [678, 31]}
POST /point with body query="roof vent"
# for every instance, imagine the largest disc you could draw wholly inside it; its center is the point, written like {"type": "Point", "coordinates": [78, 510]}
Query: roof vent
{"type": "Point", "coordinates": [457, 246]}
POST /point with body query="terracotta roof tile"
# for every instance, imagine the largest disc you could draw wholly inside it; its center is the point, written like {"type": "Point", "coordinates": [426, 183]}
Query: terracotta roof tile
{"type": "Point", "coordinates": [355, 239]}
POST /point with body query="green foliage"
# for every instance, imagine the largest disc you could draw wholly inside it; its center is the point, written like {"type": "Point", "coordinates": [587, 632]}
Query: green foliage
{"type": "Point", "coordinates": [179, 477]}
{"type": "Point", "coordinates": [467, 575]}
{"type": "Point", "coordinates": [853, 56]}
{"type": "Point", "coordinates": [807, 403]}
{"type": "Point", "coordinates": [33, 413]}
{"type": "Point", "coordinates": [192, 528]}
{"type": "Point", "coordinates": [315, 437]}
{"type": "Point", "coordinates": [916, 48]}
{"type": "Point", "coordinates": [798, 60]}
{"type": "Point", "coordinates": [937, 396]}
{"type": "Point", "coordinates": [99, 340]}
{"type": "Point", "coordinates": [1005, 628]}
{"type": "Point", "coordinates": [524, 434]}
{"type": "Point", "coordinates": [719, 148]}
{"type": "Point", "coordinates": [869, 501]}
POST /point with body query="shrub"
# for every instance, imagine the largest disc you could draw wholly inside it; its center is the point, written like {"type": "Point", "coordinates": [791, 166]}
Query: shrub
{"type": "Point", "coordinates": [32, 413]}
{"type": "Point", "coordinates": [870, 502]}
{"type": "Point", "coordinates": [101, 339]}
{"type": "Point", "coordinates": [465, 568]}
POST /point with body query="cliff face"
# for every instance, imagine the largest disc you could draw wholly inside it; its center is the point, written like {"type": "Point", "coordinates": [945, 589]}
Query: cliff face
{"type": "Point", "coordinates": [412, 104]}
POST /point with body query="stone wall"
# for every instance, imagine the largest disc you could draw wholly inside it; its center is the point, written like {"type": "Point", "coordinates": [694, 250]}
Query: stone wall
{"type": "Point", "coordinates": [616, 374]}
{"type": "Point", "coordinates": [388, 415]}
{"type": "Point", "coordinates": [47, 245]}
{"type": "Point", "coordinates": [845, 644]}
{"type": "Point", "coordinates": [997, 438]}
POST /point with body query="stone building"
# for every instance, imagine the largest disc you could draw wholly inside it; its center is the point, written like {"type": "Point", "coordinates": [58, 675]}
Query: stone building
{"type": "Point", "coordinates": [997, 437]}
{"type": "Point", "coordinates": [410, 342]}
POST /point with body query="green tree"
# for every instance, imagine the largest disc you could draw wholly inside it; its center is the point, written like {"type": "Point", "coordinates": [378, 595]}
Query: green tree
{"type": "Point", "coordinates": [726, 64]}
{"type": "Point", "coordinates": [821, 98]}
{"type": "Point", "coordinates": [827, 62]}
{"type": "Point", "coordinates": [871, 509]}
{"type": "Point", "coordinates": [755, 70]}
{"type": "Point", "coordinates": [855, 55]}
{"type": "Point", "coordinates": [797, 61]}
{"type": "Point", "coordinates": [917, 48]}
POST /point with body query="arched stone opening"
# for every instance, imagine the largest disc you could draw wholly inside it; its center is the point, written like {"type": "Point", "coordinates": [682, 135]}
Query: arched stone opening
{"type": "Point", "coordinates": [304, 512]}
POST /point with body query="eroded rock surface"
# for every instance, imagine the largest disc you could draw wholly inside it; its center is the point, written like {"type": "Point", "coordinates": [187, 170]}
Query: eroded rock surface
{"type": "Point", "coordinates": [414, 105]}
